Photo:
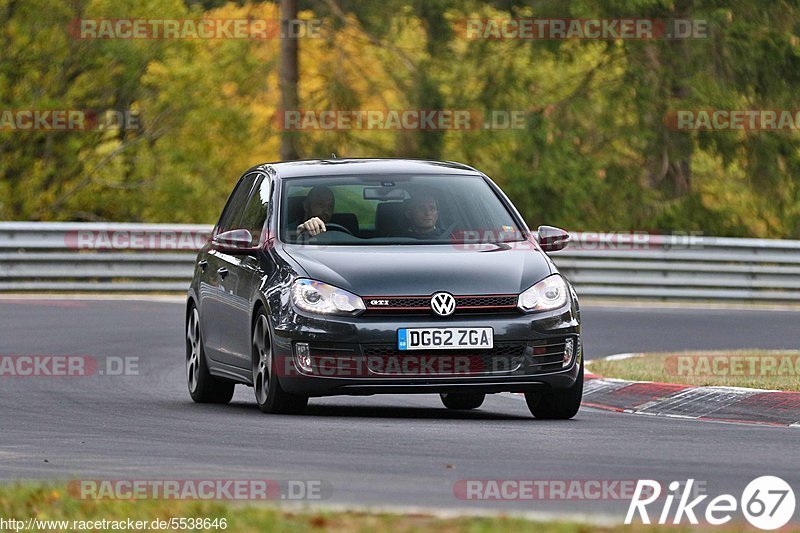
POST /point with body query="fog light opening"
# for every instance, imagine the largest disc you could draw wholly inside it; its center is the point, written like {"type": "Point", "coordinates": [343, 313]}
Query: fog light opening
{"type": "Point", "coordinates": [569, 348]}
{"type": "Point", "coordinates": [302, 356]}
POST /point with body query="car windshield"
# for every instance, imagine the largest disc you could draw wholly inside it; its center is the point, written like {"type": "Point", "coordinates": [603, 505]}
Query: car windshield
{"type": "Point", "coordinates": [396, 209]}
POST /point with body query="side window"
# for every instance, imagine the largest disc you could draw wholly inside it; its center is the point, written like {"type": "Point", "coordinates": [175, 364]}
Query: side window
{"type": "Point", "coordinates": [255, 212]}
{"type": "Point", "coordinates": [236, 204]}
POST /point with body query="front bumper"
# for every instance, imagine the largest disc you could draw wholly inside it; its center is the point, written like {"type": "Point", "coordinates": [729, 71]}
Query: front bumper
{"type": "Point", "coordinates": [357, 356]}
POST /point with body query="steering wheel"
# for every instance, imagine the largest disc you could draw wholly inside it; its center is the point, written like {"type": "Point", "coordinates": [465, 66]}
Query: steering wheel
{"type": "Point", "coordinates": [330, 226]}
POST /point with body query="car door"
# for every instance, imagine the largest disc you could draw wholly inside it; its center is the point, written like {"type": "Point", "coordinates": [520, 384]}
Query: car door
{"type": "Point", "coordinates": [213, 294]}
{"type": "Point", "coordinates": [240, 271]}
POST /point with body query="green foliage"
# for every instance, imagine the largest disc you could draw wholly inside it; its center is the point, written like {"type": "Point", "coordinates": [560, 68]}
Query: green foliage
{"type": "Point", "coordinates": [594, 151]}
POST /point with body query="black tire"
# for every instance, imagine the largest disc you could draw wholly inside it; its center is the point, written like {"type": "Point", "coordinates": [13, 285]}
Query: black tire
{"type": "Point", "coordinates": [462, 400]}
{"type": "Point", "coordinates": [203, 387]}
{"type": "Point", "coordinates": [561, 404]}
{"type": "Point", "coordinates": [270, 397]}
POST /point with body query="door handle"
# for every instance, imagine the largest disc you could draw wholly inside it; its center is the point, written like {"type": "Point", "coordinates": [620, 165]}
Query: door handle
{"type": "Point", "coordinates": [222, 271]}
{"type": "Point", "coordinates": [202, 264]}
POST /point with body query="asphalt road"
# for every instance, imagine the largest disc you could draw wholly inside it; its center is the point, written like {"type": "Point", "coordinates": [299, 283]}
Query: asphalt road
{"type": "Point", "coordinates": [379, 450]}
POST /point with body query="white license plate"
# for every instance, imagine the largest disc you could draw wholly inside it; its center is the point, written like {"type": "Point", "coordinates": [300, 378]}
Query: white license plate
{"type": "Point", "coordinates": [444, 338]}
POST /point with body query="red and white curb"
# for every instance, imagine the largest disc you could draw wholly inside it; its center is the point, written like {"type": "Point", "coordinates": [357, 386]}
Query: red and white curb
{"type": "Point", "coordinates": [719, 404]}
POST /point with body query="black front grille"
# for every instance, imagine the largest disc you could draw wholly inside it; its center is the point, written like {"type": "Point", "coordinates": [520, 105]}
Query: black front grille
{"type": "Point", "coordinates": [486, 301]}
{"type": "Point", "coordinates": [490, 304]}
{"type": "Point", "coordinates": [531, 357]}
{"type": "Point", "coordinates": [375, 360]}
{"type": "Point", "coordinates": [442, 363]}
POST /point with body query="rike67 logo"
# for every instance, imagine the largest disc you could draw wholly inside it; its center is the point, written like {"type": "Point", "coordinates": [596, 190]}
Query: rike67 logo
{"type": "Point", "coordinates": [768, 502]}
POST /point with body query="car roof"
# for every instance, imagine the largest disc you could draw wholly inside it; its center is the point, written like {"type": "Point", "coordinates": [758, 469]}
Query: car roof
{"type": "Point", "coordinates": [349, 167]}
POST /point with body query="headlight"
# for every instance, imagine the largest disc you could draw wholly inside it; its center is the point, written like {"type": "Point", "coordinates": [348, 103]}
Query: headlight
{"type": "Point", "coordinates": [550, 293]}
{"type": "Point", "coordinates": [317, 297]}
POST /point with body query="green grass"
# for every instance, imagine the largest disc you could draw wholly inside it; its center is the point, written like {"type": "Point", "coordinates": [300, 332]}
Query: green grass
{"type": "Point", "coordinates": [760, 369]}
{"type": "Point", "coordinates": [52, 502]}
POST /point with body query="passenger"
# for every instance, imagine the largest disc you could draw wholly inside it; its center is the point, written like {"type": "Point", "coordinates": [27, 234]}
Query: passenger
{"type": "Point", "coordinates": [422, 212]}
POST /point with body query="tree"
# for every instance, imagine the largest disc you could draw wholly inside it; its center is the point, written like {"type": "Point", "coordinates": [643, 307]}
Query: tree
{"type": "Point", "coordinates": [288, 76]}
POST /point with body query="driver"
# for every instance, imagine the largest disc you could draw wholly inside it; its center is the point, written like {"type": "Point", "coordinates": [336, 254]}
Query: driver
{"type": "Point", "coordinates": [422, 212]}
{"type": "Point", "coordinates": [318, 209]}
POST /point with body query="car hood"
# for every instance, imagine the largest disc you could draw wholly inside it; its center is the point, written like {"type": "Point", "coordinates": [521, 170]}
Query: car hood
{"type": "Point", "coordinates": [421, 270]}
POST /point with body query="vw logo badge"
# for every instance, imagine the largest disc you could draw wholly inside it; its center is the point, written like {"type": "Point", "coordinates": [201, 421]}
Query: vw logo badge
{"type": "Point", "coordinates": [443, 303]}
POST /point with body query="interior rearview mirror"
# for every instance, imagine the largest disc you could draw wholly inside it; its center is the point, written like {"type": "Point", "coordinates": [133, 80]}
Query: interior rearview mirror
{"type": "Point", "coordinates": [384, 193]}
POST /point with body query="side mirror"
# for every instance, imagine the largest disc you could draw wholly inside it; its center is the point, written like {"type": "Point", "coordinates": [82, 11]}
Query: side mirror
{"type": "Point", "coordinates": [552, 239]}
{"type": "Point", "coordinates": [235, 240]}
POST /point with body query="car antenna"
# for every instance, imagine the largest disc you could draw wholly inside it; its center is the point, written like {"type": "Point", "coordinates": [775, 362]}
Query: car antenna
{"type": "Point", "coordinates": [333, 155]}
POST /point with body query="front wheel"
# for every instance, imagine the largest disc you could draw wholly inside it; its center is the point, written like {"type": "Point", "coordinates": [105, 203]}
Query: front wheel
{"type": "Point", "coordinates": [270, 397]}
{"type": "Point", "coordinates": [203, 387]}
{"type": "Point", "coordinates": [561, 404]}
{"type": "Point", "coordinates": [462, 400]}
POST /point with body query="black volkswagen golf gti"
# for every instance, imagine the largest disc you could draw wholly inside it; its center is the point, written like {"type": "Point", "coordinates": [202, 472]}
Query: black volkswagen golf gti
{"type": "Point", "coordinates": [369, 276]}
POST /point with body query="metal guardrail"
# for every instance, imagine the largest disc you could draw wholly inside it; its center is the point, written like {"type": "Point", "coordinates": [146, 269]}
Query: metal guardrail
{"type": "Point", "coordinates": [59, 257]}
{"type": "Point", "coordinates": [98, 257]}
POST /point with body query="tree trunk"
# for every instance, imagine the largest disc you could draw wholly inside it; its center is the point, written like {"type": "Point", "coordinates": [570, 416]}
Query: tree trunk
{"type": "Point", "coordinates": [288, 77]}
{"type": "Point", "coordinates": [678, 144]}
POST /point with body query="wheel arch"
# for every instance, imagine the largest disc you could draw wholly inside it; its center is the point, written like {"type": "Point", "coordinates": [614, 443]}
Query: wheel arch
{"type": "Point", "coordinates": [191, 302]}
{"type": "Point", "coordinates": [258, 305]}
